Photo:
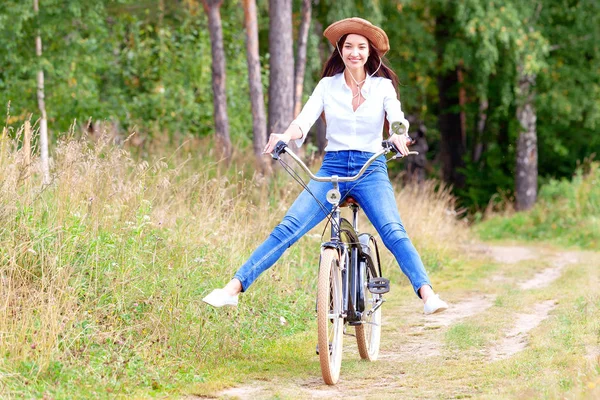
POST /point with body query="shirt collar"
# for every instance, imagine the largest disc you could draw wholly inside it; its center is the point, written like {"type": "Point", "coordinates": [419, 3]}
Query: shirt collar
{"type": "Point", "coordinates": [366, 87]}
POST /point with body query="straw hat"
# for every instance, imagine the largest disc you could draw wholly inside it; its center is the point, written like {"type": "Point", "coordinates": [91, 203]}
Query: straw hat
{"type": "Point", "coordinates": [359, 26]}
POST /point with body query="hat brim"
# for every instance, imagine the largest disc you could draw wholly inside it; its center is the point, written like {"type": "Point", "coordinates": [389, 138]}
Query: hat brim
{"type": "Point", "coordinates": [359, 26]}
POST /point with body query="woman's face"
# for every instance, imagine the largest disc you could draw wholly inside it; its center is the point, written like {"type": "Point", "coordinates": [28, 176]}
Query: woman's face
{"type": "Point", "coordinates": [355, 51]}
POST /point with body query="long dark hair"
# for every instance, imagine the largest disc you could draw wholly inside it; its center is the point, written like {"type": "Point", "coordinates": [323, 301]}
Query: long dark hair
{"type": "Point", "coordinates": [335, 64]}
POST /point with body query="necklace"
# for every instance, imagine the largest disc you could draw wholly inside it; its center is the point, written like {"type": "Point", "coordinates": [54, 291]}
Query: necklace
{"type": "Point", "coordinates": [358, 84]}
{"type": "Point", "coordinates": [358, 91]}
{"type": "Point", "coordinates": [358, 96]}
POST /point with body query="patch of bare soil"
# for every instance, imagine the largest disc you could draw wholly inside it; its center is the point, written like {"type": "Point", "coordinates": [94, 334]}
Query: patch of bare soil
{"type": "Point", "coordinates": [509, 254]}
{"type": "Point", "coordinates": [549, 275]}
{"type": "Point", "coordinates": [515, 340]}
{"type": "Point", "coordinates": [242, 392]}
{"type": "Point", "coordinates": [473, 305]}
{"type": "Point", "coordinates": [419, 341]}
{"type": "Point", "coordinates": [593, 354]}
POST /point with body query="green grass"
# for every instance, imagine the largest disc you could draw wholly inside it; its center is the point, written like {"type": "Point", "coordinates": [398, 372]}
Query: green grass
{"type": "Point", "coordinates": [567, 213]}
{"type": "Point", "coordinates": [464, 335]}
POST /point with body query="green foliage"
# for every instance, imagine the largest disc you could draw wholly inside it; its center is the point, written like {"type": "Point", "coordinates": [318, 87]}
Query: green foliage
{"type": "Point", "coordinates": [121, 61]}
{"type": "Point", "coordinates": [149, 70]}
{"type": "Point", "coordinates": [568, 213]}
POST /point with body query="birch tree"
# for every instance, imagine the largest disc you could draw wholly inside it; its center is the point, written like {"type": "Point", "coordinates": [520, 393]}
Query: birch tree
{"type": "Point", "coordinates": [223, 142]}
{"type": "Point", "coordinates": [532, 50]}
{"type": "Point", "coordinates": [259, 123]}
{"type": "Point", "coordinates": [281, 64]}
{"type": "Point", "coordinates": [527, 149]}
{"type": "Point", "coordinates": [301, 58]}
{"type": "Point", "coordinates": [42, 104]}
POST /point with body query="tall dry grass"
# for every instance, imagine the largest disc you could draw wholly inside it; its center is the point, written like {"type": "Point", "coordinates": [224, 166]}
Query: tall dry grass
{"type": "Point", "coordinates": [102, 271]}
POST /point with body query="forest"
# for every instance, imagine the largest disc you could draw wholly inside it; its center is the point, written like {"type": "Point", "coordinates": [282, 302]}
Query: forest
{"type": "Point", "coordinates": [487, 85]}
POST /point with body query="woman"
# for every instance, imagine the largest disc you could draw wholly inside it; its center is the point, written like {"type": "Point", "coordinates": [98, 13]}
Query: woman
{"type": "Point", "coordinates": [357, 92]}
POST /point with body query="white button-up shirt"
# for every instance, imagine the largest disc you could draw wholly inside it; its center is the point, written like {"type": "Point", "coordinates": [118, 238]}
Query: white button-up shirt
{"type": "Point", "coordinates": [348, 129]}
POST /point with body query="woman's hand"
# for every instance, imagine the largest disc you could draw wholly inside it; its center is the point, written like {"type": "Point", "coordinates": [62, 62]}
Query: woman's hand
{"type": "Point", "coordinates": [273, 139]}
{"type": "Point", "coordinates": [401, 142]}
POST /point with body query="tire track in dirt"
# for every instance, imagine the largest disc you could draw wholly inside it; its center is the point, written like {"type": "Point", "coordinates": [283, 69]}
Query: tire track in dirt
{"type": "Point", "coordinates": [508, 254]}
{"type": "Point", "coordinates": [417, 337]}
{"type": "Point", "coordinates": [516, 339]}
{"type": "Point", "coordinates": [549, 275]}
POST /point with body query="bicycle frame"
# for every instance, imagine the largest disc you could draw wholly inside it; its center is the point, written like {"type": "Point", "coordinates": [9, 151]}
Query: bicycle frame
{"type": "Point", "coordinates": [345, 239]}
{"type": "Point", "coordinates": [344, 236]}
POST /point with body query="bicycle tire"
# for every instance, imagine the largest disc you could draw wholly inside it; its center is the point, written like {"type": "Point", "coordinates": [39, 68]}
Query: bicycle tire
{"type": "Point", "coordinates": [330, 320]}
{"type": "Point", "coordinates": [368, 334]}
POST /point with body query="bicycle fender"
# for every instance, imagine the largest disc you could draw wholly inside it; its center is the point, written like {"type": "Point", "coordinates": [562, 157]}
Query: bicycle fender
{"type": "Point", "coordinates": [364, 239]}
{"type": "Point", "coordinates": [332, 245]}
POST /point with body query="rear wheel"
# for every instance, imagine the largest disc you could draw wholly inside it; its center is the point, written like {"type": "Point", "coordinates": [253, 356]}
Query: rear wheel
{"type": "Point", "coordinates": [330, 320]}
{"type": "Point", "coordinates": [368, 334]}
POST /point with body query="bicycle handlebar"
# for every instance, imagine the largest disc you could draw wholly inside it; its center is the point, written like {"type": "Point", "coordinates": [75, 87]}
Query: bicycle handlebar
{"type": "Point", "coordinates": [282, 147]}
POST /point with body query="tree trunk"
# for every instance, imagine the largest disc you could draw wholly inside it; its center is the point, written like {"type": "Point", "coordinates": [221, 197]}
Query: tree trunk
{"type": "Point", "coordinates": [452, 147]}
{"type": "Point", "coordinates": [527, 156]}
{"type": "Point", "coordinates": [281, 64]}
{"type": "Point", "coordinates": [301, 59]}
{"type": "Point", "coordinates": [42, 107]}
{"type": "Point", "coordinates": [212, 8]}
{"type": "Point", "coordinates": [27, 144]}
{"type": "Point", "coordinates": [478, 146]}
{"type": "Point", "coordinates": [259, 120]}
{"type": "Point", "coordinates": [462, 101]}
{"type": "Point", "coordinates": [321, 125]}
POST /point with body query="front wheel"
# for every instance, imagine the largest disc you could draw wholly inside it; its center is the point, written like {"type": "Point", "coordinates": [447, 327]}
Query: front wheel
{"type": "Point", "coordinates": [368, 334]}
{"type": "Point", "coordinates": [330, 320]}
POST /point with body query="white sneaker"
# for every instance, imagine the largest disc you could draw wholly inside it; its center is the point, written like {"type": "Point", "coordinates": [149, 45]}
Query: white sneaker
{"type": "Point", "coordinates": [434, 305]}
{"type": "Point", "coordinates": [220, 298]}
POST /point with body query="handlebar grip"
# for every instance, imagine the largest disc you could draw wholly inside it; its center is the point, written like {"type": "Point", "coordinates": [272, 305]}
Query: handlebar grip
{"type": "Point", "coordinates": [386, 144]}
{"type": "Point", "coordinates": [279, 148]}
{"type": "Point", "coordinates": [389, 145]}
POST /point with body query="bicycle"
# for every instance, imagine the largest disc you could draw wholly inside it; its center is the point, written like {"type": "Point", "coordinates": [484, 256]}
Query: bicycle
{"type": "Point", "coordinates": [350, 284]}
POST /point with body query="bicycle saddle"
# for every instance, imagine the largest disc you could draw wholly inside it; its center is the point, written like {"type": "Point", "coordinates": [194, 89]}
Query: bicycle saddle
{"type": "Point", "coordinates": [349, 201]}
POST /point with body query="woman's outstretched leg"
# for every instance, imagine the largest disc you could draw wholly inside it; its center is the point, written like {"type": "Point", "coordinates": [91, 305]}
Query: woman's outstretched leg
{"type": "Point", "coordinates": [376, 196]}
{"type": "Point", "coordinates": [304, 214]}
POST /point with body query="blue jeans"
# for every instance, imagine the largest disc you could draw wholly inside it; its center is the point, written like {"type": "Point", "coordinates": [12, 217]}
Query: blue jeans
{"type": "Point", "coordinates": [373, 192]}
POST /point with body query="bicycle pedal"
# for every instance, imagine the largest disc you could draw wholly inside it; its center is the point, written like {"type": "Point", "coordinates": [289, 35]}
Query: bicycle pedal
{"type": "Point", "coordinates": [378, 285]}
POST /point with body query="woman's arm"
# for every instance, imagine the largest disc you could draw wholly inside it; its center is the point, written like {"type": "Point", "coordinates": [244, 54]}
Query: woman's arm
{"type": "Point", "coordinates": [393, 109]}
{"type": "Point", "coordinates": [301, 125]}
{"type": "Point", "coordinates": [293, 132]}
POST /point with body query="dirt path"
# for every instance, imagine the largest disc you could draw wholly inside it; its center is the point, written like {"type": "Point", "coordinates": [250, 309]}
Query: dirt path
{"type": "Point", "coordinates": [422, 339]}
{"type": "Point", "coordinates": [515, 340]}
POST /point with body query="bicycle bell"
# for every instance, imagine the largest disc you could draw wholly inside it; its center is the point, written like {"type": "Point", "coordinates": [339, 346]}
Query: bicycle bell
{"type": "Point", "coordinates": [333, 196]}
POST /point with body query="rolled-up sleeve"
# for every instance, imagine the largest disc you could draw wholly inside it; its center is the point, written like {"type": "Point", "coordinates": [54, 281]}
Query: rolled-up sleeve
{"type": "Point", "coordinates": [310, 112]}
{"type": "Point", "coordinates": [392, 106]}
